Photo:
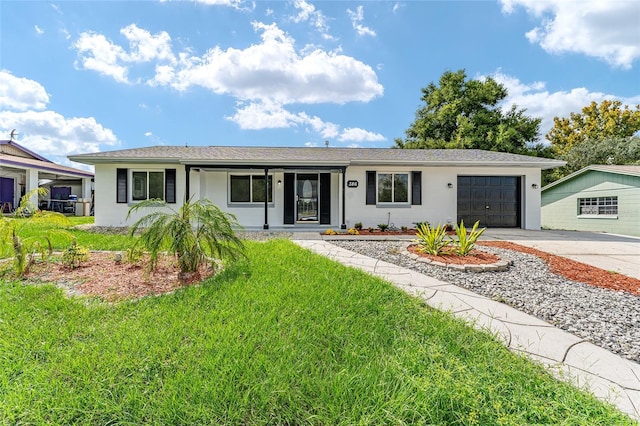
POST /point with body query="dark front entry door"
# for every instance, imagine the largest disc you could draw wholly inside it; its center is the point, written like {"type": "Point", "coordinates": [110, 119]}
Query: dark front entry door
{"type": "Point", "coordinates": [6, 190]}
{"type": "Point", "coordinates": [493, 200]}
{"type": "Point", "coordinates": [307, 198]}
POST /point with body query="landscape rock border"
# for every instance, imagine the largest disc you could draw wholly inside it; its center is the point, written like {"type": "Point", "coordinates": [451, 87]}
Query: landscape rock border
{"type": "Point", "coordinates": [499, 266]}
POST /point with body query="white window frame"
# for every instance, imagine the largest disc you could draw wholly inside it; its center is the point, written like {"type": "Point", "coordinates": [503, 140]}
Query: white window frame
{"type": "Point", "coordinates": [270, 178]}
{"type": "Point", "coordinates": [598, 207]}
{"type": "Point", "coordinates": [393, 188]}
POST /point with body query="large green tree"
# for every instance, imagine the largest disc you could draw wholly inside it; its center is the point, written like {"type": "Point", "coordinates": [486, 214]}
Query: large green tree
{"type": "Point", "coordinates": [597, 151]}
{"type": "Point", "coordinates": [596, 122]}
{"type": "Point", "coordinates": [467, 113]}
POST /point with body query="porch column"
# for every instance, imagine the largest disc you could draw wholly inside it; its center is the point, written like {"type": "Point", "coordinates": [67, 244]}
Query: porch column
{"type": "Point", "coordinates": [187, 182]}
{"type": "Point", "coordinates": [343, 225]}
{"type": "Point", "coordinates": [86, 188]}
{"type": "Point", "coordinates": [31, 183]}
{"type": "Point", "coordinates": [266, 199]}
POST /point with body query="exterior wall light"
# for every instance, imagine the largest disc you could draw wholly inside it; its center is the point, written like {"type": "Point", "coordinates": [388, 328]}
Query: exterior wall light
{"type": "Point", "coordinates": [449, 185]}
{"type": "Point", "coordinates": [534, 185]}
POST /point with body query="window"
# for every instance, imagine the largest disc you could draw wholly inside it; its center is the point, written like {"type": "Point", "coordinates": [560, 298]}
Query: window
{"type": "Point", "coordinates": [145, 185]}
{"type": "Point", "coordinates": [249, 188]}
{"type": "Point", "coordinates": [389, 188]}
{"type": "Point", "coordinates": [596, 206]}
{"type": "Point", "coordinates": [393, 187]}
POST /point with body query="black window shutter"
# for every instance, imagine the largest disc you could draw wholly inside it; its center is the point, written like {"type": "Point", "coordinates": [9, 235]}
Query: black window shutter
{"type": "Point", "coordinates": [325, 198]}
{"type": "Point", "coordinates": [121, 185]}
{"type": "Point", "coordinates": [170, 185]}
{"type": "Point", "coordinates": [371, 187]}
{"type": "Point", "coordinates": [416, 188]}
{"type": "Point", "coordinates": [289, 198]}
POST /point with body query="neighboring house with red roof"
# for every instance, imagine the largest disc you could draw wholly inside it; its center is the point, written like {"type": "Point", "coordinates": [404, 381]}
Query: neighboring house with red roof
{"type": "Point", "coordinates": [320, 188]}
{"type": "Point", "coordinates": [598, 198]}
{"type": "Point", "coordinates": [22, 170]}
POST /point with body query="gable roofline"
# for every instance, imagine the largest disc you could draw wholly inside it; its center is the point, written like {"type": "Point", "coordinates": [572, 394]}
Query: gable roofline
{"type": "Point", "coordinates": [25, 150]}
{"type": "Point", "coordinates": [613, 169]}
{"type": "Point", "coordinates": [310, 156]}
{"type": "Point", "coordinates": [45, 166]}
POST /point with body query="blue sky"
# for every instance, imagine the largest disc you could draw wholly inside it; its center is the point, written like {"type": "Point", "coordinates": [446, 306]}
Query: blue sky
{"type": "Point", "coordinates": [84, 76]}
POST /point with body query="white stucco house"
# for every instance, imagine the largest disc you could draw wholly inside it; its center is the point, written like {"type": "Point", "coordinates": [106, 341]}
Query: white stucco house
{"type": "Point", "coordinates": [320, 188]}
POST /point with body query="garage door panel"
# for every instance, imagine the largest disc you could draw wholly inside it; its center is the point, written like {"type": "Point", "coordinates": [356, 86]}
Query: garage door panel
{"type": "Point", "coordinates": [494, 201]}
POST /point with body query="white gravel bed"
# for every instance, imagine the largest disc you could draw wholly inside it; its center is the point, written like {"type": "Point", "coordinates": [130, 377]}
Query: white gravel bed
{"type": "Point", "coordinates": [607, 318]}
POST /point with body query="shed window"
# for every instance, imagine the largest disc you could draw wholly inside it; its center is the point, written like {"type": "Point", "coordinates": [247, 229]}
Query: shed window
{"type": "Point", "coordinates": [595, 206]}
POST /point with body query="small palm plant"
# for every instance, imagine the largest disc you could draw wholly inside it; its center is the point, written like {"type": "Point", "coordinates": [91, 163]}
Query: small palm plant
{"type": "Point", "coordinates": [24, 249]}
{"type": "Point", "coordinates": [466, 242]}
{"type": "Point", "coordinates": [197, 233]}
{"type": "Point", "coordinates": [431, 240]}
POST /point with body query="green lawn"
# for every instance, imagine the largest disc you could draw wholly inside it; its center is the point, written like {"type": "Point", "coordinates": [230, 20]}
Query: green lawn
{"type": "Point", "coordinates": [287, 337]}
{"type": "Point", "coordinates": [29, 231]}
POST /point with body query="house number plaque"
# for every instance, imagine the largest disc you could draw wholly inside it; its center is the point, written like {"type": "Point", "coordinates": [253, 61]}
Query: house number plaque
{"type": "Point", "coordinates": [352, 183]}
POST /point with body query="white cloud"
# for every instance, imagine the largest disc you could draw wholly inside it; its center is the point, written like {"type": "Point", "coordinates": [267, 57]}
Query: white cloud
{"type": "Point", "coordinates": [539, 102]}
{"type": "Point", "coordinates": [308, 12]}
{"type": "Point", "coordinates": [357, 18]}
{"type": "Point", "coordinates": [236, 4]}
{"type": "Point", "coordinates": [397, 6]}
{"type": "Point", "coordinates": [145, 47]}
{"type": "Point", "coordinates": [99, 54]}
{"type": "Point", "coordinates": [355, 134]}
{"type": "Point", "coordinates": [273, 115]}
{"type": "Point", "coordinates": [20, 94]}
{"type": "Point", "coordinates": [263, 77]}
{"type": "Point", "coordinates": [39, 30]}
{"type": "Point", "coordinates": [274, 71]}
{"type": "Point", "coordinates": [608, 30]}
{"type": "Point", "coordinates": [48, 133]}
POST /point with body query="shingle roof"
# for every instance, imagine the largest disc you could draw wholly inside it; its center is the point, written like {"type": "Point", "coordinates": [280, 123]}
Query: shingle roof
{"type": "Point", "coordinates": [288, 156]}
{"type": "Point", "coordinates": [43, 166]}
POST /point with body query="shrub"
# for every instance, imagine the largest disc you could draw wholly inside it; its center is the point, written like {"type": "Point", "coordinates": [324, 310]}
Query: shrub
{"type": "Point", "coordinates": [419, 224]}
{"type": "Point", "coordinates": [74, 255]}
{"type": "Point", "coordinates": [370, 229]}
{"type": "Point", "coordinates": [198, 232]}
{"type": "Point", "coordinates": [431, 240]}
{"type": "Point", "coordinates": [404, 228]}
{"type": "Point", "coordinates": [383, 226]}
{"type": "Point", "coordinates": [135, 253]}
{"type": "Point", "coordinates": [25, 248]}
{"type": "Point", "coordinates": [464, 242]}
{"type": "Point", "coordinates": [358, 226]}
{"type": "Point", "coordinates": [330, 232]}
{"type": "Point", "coordinates": [353, 231]}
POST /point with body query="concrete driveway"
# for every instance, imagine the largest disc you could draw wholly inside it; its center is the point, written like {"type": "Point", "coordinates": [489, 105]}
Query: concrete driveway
{"type": "Point", "coordinates": [606, 251]}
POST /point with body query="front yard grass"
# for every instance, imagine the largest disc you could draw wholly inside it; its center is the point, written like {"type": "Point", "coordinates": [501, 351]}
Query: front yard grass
{"type": "Point", "coordinates": [286, 337]}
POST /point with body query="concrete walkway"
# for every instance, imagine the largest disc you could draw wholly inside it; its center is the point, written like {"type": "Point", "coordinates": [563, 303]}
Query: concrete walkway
{"type": "Point", "coordinates": [570, 358]}
{"type": "Point", "coordinates": [606, 251]}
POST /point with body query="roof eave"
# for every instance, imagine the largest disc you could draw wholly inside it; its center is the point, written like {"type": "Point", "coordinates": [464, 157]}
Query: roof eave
{"type": "Point", "coordinates": [585, 170]}
{"type": "Point", "coordinates": [121, 160]}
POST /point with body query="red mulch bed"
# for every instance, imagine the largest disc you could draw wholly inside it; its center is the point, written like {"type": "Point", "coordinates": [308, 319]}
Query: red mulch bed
{"type": "Point", "coordinates": [576, 271]}
{"type": "Point", "coordinates": [475, 257]}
